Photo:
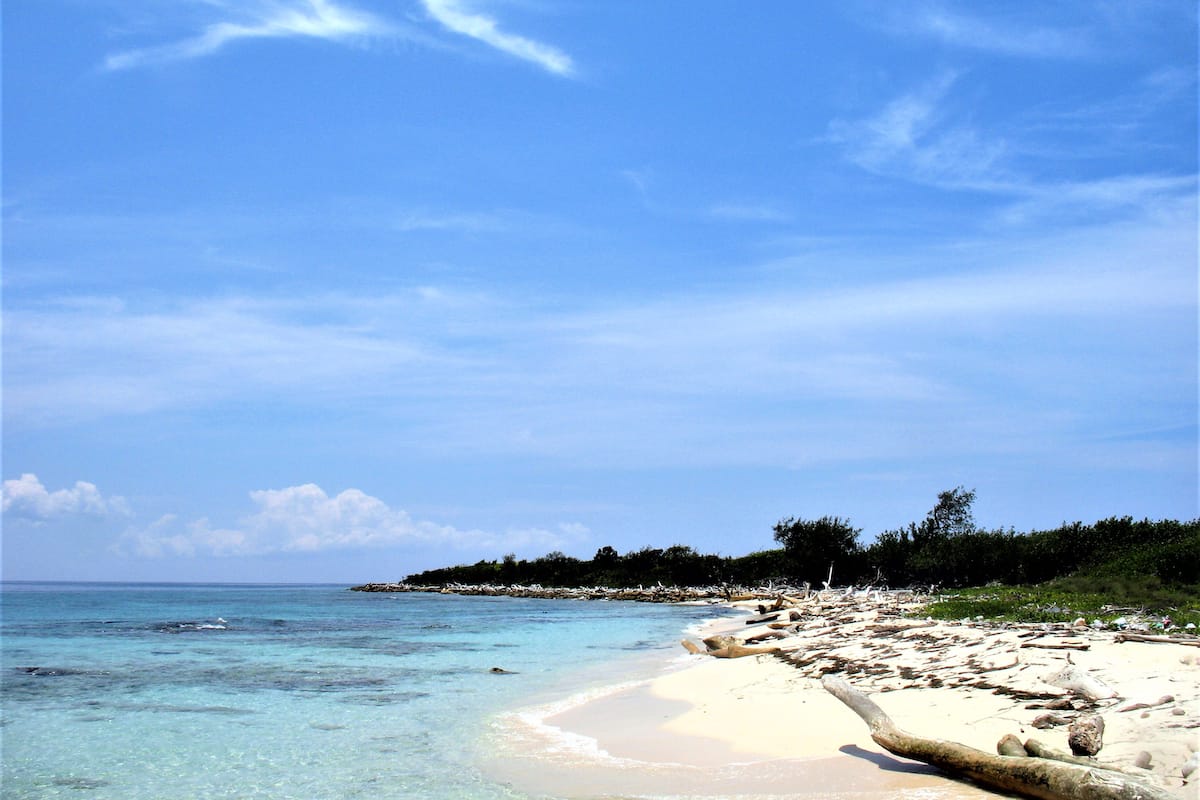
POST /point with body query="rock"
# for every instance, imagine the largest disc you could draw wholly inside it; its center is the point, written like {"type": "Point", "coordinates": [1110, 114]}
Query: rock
{"type": "Point", "coordinates": [1142, 760]}
{"type": "Point", "coordinates": [1190, 766]}
{"type": "Point", "coordinates": [1179, 712]}
{"type": "Point", "coordinates": [1010, 745]}
{"type": "Point", "coordinates": [1073, 679]}
{"type": "Point", "coordinates": [501, 671]}
{"type": "Point", "coordinates": [1086, 735]}
{"type": "Point", "coordinates": [1049, 721]}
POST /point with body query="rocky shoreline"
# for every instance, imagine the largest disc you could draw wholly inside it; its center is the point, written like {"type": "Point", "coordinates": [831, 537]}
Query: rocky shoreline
{"type": "Point", "coordinates": [651, 594]}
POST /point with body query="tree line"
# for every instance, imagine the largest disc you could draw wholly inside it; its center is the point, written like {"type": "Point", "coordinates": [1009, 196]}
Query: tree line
{"type": "Point", "coordinates": [946, 549]}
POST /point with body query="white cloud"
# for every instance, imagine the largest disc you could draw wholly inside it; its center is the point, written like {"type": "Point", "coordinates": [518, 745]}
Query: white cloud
{"type": "Point", "coordinates": [305, 519]}
{"type": "Point", "coordinates": [455, 16]}
{"type": "Point", "coordinates": [26, 498]}
{"type": "Point", "coordinates": [314, 19]}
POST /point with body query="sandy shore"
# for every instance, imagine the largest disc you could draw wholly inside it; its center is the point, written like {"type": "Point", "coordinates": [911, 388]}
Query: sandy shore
{"type": "Point", "coordinates": [762, 727]}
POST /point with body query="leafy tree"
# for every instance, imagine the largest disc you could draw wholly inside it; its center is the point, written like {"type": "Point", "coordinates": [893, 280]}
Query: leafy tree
{"type": "Point", "coordinates": [813, 546]}
{"type": "Point", "coordinates": [951, 516]}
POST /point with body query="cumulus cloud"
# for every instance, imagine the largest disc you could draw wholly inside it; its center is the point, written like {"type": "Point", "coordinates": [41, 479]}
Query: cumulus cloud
{"type": "Point", "coordinates": [312, 19]}
{"type": "Point", "coordinates": [26, 498]}
{"type": "Point", "coordinates": [305, 519]}
{"type": "Point", "coordinates": [455, 16]}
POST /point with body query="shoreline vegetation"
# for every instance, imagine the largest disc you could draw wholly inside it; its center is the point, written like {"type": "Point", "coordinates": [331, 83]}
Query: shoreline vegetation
{"type": "Point", "coordinates": [1106, 570]}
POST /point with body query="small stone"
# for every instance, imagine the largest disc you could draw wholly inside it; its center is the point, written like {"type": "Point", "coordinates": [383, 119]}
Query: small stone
{"type": "Point", "coordinates": [1049, 721]}
{"type": "Point", "coordinates": [1179, 712]}
{"type": "Point", "coordinates": [1142, 761]}
{"type": "Point", "coordinates": [1086, 735]}
{"type": "Point", "coordinates": [1190, 766]}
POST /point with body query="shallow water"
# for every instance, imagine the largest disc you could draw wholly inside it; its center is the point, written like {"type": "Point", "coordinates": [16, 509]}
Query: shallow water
{"type": "Point", "coordinates": [151, 691]}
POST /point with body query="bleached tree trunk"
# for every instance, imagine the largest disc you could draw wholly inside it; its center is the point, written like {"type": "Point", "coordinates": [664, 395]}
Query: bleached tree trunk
{"type": "Point", "coordinates": [1029, 777]}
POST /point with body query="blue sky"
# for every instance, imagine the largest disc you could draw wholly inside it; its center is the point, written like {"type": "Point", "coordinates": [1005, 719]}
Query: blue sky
{"type": "Point", "coordinates": [344, 289]}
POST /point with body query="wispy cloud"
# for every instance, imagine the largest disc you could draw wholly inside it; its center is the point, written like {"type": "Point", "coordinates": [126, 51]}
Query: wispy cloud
{"type": "Point", "coordinates": [313, 19]}
{"type": "Point", "coordinates": [747, 376]}
{"type": "Point", "coordinates": [305, 519]}
{"type": "Point", "coordinates": [457, 17]}
{"type": "Point", "coordinates": [749, 212]}
{"type": "Point", "coordinates": [465, 222]}
{"type": "Point", "coordinates": [1002, 37]}
{"type": "Point", "coordinates": [26, 498]}
{"type": "Point", "coordinates": [921, 137]}
{"type": "Point", "coordinates": [913, 137]}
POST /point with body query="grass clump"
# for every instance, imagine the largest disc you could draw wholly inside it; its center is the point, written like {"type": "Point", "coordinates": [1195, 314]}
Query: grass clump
{"type": "Point", "coordinates": [1070, 598]}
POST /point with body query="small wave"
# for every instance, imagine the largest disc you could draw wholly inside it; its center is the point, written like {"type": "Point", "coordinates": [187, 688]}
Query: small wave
{"type": "Point", "coordinates": [182, 627]}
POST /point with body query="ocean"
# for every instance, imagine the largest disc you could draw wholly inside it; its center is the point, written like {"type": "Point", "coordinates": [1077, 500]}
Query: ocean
{"type": "Point", "coordinates": [156, 691]}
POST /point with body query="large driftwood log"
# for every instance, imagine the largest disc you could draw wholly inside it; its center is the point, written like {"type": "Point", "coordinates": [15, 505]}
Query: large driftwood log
{"type": "Point", "coordinates": [1030, 777]}
{"type": "Point", "coordinates": [732, 650]}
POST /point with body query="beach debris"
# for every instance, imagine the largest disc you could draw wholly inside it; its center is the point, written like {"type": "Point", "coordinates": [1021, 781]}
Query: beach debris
{"type": "Point", "coordinates": [1010, 745]}
{"type": "Point", "coordinates": [1058, 645]}
{"type": "Point", "coordinates": [717, 642]}
{"type": "Point", "coordinates": [732, 650]}
{"type": "Point", "coordinates": [767, 635]}
{"type": "Point", "coordinates": [1086, 735]}
{"type": "Point", "coordinates": [1162, 701]}
{"type": "Point", "coordinates": [1047, 779]}
{"type": "Point", "coordinates": [1049, 721]}
{"type": "Point", "coordinates": [1190, 766]}
{"type": "Point", "coordinates": [1190, 641]}
{"type": "Point", "coordinates": [769, 617]}
{"type": "Point", "coordinates": [1074, 679]}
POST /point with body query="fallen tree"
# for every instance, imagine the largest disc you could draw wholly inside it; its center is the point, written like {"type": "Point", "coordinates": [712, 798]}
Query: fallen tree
{"type": "Point", "coordinates": [1030, 777]}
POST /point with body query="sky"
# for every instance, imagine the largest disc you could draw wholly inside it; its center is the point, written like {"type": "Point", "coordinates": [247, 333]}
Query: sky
{"type": "Point", "coordinates": [341, 290]}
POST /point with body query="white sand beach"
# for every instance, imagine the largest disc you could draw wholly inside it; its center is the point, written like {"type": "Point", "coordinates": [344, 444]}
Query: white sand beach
{"type": "Point", "coordinates": [762, 726]}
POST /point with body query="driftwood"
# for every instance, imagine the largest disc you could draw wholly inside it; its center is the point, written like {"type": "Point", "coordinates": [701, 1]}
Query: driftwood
{"type": "Point", "coordinates": [1141, 637]}
{"type": "Point", "coordinates": [1029, 777]}
{"type": "Point", "coordinates": [732, 650]}
{"type": "Point", "coordinates": [1040, 750]}
{"type": "Point", "coordinates": [1162, 701]}
{"type": "Point", "coordinates": [1010, 745]}
{"type": "Point", "coordinates": [1058, 645]}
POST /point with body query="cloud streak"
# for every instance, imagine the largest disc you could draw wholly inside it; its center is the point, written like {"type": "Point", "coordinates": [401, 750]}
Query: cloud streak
{"type": "Point", "coordinates": [456, 17]}
{"type": "Point", "coordinates": [311, 19]}
{"type": "Point", "coordinates": [977, 33]}
{"type": "Point", "coordinates": [705, 377]}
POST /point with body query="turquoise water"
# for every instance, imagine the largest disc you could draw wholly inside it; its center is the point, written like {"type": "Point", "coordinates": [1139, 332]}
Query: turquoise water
{"type": "Point", "coordinates": [146, 692]}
